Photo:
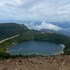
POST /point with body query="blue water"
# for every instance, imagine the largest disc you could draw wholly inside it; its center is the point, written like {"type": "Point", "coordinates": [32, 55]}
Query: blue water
{"type": "Point", "coordinates": [34, 47]}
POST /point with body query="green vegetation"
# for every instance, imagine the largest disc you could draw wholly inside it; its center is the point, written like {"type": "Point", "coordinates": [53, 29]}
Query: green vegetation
{"type": "Point", "coordinates": [8, 30]}
{"type": "Point", "coordinates": [55, 38]}
{"type": "Point", "coordinates": [11, 29]}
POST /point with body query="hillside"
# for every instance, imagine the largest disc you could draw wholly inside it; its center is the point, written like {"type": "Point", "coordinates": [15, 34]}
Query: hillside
{"type": "Point", "coordinates": [11, 29]}
{"type": "Point", "coordinates": [8, 30]}
{"type": "Point", "coordinates": [43, 26]}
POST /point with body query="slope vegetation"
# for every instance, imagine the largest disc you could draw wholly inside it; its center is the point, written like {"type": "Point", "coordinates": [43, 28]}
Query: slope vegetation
{"type": "Point", "coordinates": [8, 30]}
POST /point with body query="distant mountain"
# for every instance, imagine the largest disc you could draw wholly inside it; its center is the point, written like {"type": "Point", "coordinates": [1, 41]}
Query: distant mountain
{"type": "Point", "coordinates": [62, 24]}
{"type": "Point", "coordinates": [59, 27]}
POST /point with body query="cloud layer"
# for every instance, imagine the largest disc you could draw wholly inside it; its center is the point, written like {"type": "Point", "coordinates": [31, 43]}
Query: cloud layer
{"type": "Point", "coordinates": [48, 10]}
{"type": "Point", "coordinates": [43, 25]}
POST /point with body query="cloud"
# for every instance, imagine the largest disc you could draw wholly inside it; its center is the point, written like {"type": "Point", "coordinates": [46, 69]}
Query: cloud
{"type": "Point", "coordinates": [61, 12]}
{"type": "Point", "coordinates": [43, 25]}
{"type": "Point", "coordinates": [11, 3]}
{"type": "Point", "coordinates": [47, 10]}
{"type": "Point", "coordinates": [49, 26]}
{"type": "Point", "coordinates": [1, 4]}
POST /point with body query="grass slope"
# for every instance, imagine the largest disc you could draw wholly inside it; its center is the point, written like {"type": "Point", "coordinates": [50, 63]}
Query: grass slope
{"type": "Point", "coordinates": [11, 29]}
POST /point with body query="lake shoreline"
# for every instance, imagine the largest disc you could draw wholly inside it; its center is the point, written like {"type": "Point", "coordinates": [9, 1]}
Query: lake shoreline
{"type": "Point", "coordinates": [39, 52]}
{"type": "Point", "coordinates": [63, 46]}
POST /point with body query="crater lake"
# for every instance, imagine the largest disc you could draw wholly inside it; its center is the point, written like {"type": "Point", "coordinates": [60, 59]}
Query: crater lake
{"type": "Point", "coordinates": [35, 47]}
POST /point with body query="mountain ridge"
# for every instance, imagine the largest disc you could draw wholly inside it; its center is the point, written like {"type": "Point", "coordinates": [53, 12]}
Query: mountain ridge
{"type": "Point", "coordinates": [58, 27]}
{"type": "Point", "coordinates": [11, 29]}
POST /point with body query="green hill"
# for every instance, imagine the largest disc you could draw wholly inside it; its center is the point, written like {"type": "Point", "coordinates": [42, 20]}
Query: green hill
{"type": "Point", "coordinates": [11, 29]}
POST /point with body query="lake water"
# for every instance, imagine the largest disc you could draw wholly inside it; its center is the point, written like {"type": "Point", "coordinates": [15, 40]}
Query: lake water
{"type": "Point", "coordinates": [31, 47]}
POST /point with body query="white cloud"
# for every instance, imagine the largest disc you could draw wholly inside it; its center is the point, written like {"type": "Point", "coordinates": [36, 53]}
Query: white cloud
{"type": "Point", "coordinates": [49, 26]}
{"type": "Point", "coordinates": [62, 12]}
{"type": "Point", "coordinates": [50, 10]}
{"type": "Point", "coordinates": [12, 3]}
{"type": "Point", "coordinates": [1, 4]}
{"type": "Point", "coordinates": [43, 25]}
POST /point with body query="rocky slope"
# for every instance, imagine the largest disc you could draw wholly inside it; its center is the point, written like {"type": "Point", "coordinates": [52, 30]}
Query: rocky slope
{"type": "Point", "coordinates": [38, 63]}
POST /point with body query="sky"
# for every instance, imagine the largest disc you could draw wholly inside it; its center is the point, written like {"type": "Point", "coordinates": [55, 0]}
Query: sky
{"type": "Point", "coordinates": [35, 10]}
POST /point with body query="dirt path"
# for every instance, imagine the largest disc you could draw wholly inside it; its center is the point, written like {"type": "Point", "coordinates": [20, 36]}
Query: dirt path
{"type": "Point", "coordinates": [38, 63]}
{"type": "Point", "coordinates": [8, 38]}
